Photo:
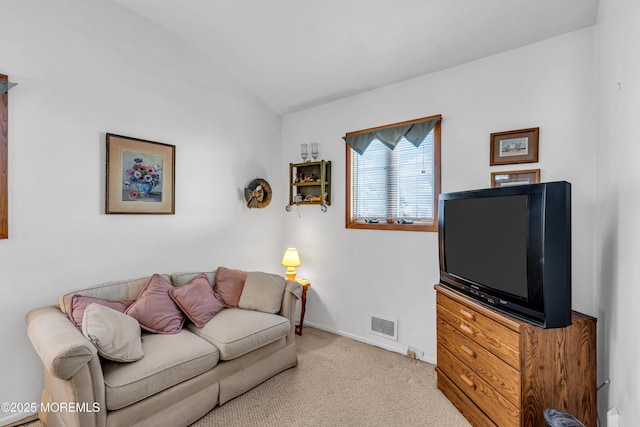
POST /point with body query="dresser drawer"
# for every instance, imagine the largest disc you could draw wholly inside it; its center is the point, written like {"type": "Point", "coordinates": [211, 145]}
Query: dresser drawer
{"type": "Point", "coordinates": [492, 403]}
{"type": "Point", "coordinates": [502, 377]}
{"type": "Point", "coordinates": [497, 338]}
{"type": "Point", "coordinates": [461, 401]}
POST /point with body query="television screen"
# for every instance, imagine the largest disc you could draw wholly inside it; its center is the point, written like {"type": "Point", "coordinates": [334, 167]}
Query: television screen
{"type": "Point", "coordinates": [510, 248]}
{"type": "Point", "coordinates": [486, 242]}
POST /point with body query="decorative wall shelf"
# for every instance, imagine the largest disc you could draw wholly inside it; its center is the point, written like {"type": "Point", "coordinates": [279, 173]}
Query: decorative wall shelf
{"type": "Point", "coordinates": [310, 184]}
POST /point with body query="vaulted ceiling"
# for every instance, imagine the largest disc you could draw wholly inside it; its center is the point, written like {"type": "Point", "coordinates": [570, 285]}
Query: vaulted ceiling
{"type": "Point", "coordinates": [297, 54]}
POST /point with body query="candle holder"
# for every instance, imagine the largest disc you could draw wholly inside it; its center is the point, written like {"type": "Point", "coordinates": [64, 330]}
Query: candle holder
{"type": "Point", "coordinates": [314, 150]}
{"type": "Point", "coordinates": [304, 153]}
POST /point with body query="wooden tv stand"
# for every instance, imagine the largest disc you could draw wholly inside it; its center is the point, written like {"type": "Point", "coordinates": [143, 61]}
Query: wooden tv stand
{"type": "Point", "coordinates": [501, 371]}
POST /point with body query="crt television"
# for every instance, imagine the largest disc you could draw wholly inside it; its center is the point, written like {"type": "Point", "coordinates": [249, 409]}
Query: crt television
{"type": "Point", "coordinates": [510, 248]}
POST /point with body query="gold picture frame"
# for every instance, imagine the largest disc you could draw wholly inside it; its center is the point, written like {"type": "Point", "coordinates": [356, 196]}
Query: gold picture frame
{"type": "Point", "coordinates": [514, 146]}
{"type": "Point", "coordinates": [509, 178]}
{"type": "Point", "coordinates": [140, 176]}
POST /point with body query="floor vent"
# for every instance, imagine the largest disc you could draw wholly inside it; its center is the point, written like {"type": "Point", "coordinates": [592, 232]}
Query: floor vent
{"type": "Point", "coordinates": [385, 327]}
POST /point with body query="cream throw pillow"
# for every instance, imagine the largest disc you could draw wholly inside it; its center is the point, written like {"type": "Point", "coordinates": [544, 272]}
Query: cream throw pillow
{"type": "Point", "coordinates": [115, 334]}
{"type": "Point", "coordinates": [262, 292]}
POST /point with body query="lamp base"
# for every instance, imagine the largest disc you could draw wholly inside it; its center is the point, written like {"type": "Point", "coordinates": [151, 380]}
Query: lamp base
{"type": "Point", "coordinates": [291, 273]}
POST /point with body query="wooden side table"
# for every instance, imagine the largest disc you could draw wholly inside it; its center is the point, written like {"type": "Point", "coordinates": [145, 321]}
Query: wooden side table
{"type": "Point", "coordinates": [303, 302]}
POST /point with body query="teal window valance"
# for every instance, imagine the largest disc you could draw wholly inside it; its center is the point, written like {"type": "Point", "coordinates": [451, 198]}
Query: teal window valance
{"type": "Point", "coordinates": [414, 131]}
{"type": "Point", "coordinates": [5, 86]}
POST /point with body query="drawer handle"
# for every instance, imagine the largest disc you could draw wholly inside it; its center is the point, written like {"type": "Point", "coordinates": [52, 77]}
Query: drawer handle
{"type": "Point", "coordinates": [468, 329]}
{"type": "Point", "coordinates": [468, 381]}
{"type": "Point", "coordinates": [468, 351]}
{"type": "Point", "coordinates": [468, 315]}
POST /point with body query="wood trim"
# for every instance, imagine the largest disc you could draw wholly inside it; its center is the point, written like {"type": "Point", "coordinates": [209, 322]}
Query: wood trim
{"type": "Point", "coordinates": [437, 172]}
{"type": "Point", "coordinates": [347, 203]}
{"type": "Point", "coordinates": [392, 125]}
{"type": "Point", "coordinates": [437, 176]}
{"type": "Point", "coordinates": [4, 162]}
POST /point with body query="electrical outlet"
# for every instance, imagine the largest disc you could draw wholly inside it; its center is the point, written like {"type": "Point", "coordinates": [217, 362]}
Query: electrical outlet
{"type": "Point", "coordinates": [414, 353]}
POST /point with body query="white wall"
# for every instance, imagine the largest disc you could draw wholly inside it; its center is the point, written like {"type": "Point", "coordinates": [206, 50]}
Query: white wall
{"type": "Point", "coordinates": [356, 273]}
{"type": "Point", "coordinates": [618, 238]}
{"type": "Point", "coordinates": [87, 68]}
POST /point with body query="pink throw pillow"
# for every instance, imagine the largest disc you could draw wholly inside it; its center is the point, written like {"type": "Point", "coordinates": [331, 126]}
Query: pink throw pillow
{"type": "Point", "coordinates": [155, 310]}
{"type": "Point", "coordinates": [79, 304]}
{"type": "Point", "coordinates": [229, 284]}
{"type": "Point", "coordinates": [197, 300]}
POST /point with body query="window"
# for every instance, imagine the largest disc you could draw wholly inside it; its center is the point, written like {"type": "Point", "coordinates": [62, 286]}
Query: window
{"type": "Point", "coordinates": [397, 188]}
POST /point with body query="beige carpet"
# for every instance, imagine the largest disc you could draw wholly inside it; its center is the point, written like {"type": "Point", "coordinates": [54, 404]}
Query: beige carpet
{"type": "Point", "coordinates": [341, 382]}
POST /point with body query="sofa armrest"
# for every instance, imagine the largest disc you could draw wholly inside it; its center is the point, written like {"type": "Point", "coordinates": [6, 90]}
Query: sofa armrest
{"type": "Point", "coordinates": [293, 287]}
{"type": "Point", "coordinates": [292, 293]}
{"type": "Point", "coordinates": [72, 370]}
{"type": "Point", "coordinates": [61, 346]}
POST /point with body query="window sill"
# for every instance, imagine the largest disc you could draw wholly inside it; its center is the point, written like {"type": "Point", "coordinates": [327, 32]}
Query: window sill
{"type": "Point", "coordinates": [361, 225]}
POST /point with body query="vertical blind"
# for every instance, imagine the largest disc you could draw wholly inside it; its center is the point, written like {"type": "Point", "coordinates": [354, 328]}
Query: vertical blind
{"type": "Point", "coordinates": [394, 185]}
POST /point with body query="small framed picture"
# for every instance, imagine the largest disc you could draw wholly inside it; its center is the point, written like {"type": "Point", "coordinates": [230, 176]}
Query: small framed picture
{"type": "Point", "coordinates": [514, 146]}
{"type": "Point", "coordinates": [140, 176]}
{"type": "Point", "coordinates": [505, 179]}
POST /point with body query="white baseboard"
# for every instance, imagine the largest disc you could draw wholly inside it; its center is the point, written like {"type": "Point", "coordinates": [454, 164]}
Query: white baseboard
{"type": "Point", "coordinates": [394, 348]}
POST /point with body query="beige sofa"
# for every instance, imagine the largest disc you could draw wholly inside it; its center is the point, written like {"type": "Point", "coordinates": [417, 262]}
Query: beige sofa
{"type": "Point", "coordinates": [181, 377]}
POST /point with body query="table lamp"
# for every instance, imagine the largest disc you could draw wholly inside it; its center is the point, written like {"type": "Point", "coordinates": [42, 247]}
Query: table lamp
{"type": "Point", "coordinates": [291, 260]}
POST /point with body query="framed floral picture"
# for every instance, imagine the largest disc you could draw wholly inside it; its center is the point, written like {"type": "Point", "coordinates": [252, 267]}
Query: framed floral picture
{"type": "Point", "coordinates": [140, 176]}
{"type": "Point", "coordinates": [505, 179]}
{"type": "Point", "coordinates": [514, 146]}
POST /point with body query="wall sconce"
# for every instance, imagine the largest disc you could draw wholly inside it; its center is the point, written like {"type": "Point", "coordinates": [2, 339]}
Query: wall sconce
{"type": "Point", "coordinates": [291, 260]}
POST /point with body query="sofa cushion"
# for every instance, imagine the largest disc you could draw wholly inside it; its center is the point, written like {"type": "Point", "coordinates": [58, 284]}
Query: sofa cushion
{"type": "Point", "coordinates": [229, 284]}
{"type": "Point", "coordinates": [115, 335]}
{"type": "Point", "coordinates": [262, 292]}
{"type": "Point", "coordinates": [114, 291]}
{"type": "Point", "coordinates": [79, 303]}
{"type": "Point", "coordinates": [184, 277]}
{"type": "Point", "coordinates": [168, 360]}
{"type": "Point", "coordinates": [154, 308]}
{"type": "Point", "coordinates": [197, 300]}
{"type": "Point", "coordinates": [235, 331]}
